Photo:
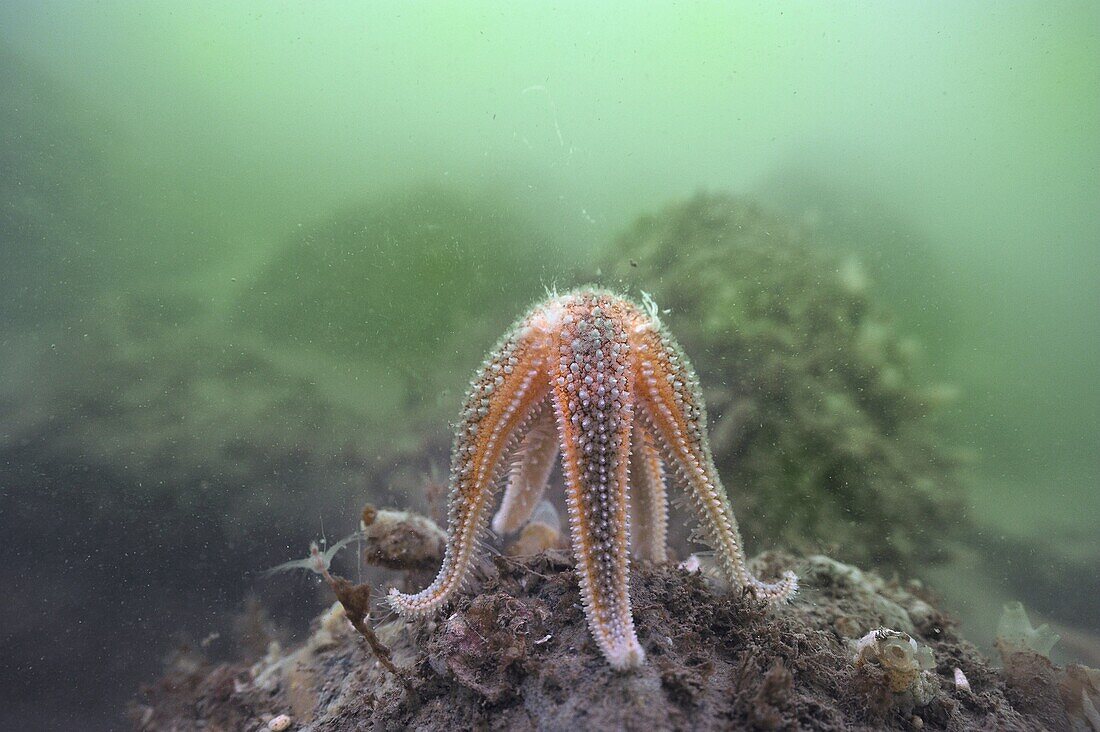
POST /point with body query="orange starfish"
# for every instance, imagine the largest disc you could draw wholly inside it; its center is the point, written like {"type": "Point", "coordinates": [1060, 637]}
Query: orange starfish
{"type": "Point", "coordinates": [597, 378]}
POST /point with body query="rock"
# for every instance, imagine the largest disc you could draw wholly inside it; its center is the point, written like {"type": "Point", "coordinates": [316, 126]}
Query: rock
{"type": "Point", "coordinates": [817, 415]}
{"type": "Point", "coordinates": [518, 655]}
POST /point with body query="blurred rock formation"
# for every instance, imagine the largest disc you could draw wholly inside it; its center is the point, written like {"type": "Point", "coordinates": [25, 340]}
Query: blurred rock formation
{"type": "Point", "coordinates": [820, 425]}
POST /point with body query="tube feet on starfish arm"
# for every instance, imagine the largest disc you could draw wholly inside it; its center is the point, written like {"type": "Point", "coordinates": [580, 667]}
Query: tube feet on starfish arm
{"type": "Point", "coordinates": [598, 380]}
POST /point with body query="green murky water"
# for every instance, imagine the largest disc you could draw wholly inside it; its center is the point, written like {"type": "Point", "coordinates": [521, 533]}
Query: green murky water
{"type": "Point", "coordinates": [250, 254]}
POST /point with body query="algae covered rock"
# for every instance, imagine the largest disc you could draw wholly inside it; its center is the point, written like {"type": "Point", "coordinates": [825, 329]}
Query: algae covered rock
{"type": "Point", "coordinates": [820, 426]}
{"type": "Point", "coordinates": [420, 281]}
{"type": "Point", "coordinates": [514, 652]}
{"type": "Point", "coordinates": [204, 420]}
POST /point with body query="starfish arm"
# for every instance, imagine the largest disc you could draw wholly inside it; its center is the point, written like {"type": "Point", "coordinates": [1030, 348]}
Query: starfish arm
{"type": "Point", "coordinates": [649, 507]}
{"type": "Point", "coordinates": [594, 406]}
{"type": "Point", "coordinates": [498, 409]}
{"type": "Point", "coordinates": [669, 394]}
{"type": "Point", "coordinates": [530, 472]}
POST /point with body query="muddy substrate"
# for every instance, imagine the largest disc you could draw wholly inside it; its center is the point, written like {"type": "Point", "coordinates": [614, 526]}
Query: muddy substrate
{"type": "Point", "coordinates": [515, 653]}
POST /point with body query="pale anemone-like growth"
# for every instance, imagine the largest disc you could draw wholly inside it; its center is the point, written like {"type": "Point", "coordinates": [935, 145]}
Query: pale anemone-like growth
{"type": "Point", "coordinates": [596, 379]}
{"type": "Point", "coordinates": [899, 654]}
{"type": "Point", "coordinates": [1015, 633]}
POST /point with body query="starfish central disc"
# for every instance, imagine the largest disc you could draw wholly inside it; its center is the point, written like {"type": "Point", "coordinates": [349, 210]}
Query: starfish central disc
{"type": "Point", "coordinates": [597, 379]}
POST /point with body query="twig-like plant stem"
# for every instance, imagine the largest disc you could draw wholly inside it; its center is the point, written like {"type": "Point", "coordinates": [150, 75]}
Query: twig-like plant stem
{"type": "Point", "coordinates": [356, 602]}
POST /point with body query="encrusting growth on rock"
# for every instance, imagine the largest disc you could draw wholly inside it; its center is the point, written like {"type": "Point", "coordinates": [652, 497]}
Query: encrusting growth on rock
{"type": "Point", "coordinates": [819, 409]}
{"type": "Point", "coordinates": [597, 379]}
{"type": "Point", "coordinates": [514, 656]}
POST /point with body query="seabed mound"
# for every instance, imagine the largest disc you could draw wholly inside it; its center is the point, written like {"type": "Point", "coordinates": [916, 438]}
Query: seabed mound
{"type": "Point", "coordinates": [851, 651]}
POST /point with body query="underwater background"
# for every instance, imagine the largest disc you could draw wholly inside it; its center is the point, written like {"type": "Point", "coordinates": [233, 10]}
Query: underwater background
{"type": "Point", "coordinates": [251, 253]}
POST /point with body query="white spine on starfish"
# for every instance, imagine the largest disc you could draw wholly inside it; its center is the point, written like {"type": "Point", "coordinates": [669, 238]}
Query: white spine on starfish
{"type": "Point", "coordinates": [594, 404]}
{"type": "Point", "coordinates": [675, 407]}
{"type": "Point", "coordinates": [498, 409]}
{"type": "Point", "coordinates": [530, 472]}
{"type": "Point", "coordinates": [649, 536]}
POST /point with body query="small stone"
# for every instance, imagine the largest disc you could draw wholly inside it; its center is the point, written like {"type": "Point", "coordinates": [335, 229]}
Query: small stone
{"type": "Point", "coordinates": [280, 723]}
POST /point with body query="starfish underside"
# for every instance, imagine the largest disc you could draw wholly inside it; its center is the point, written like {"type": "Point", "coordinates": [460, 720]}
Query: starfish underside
{"type": "Point", "coordinates": [597, 379]}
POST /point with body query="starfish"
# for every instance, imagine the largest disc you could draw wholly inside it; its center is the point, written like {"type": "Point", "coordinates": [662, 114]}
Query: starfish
{"type": "Point", "coordinates": [598, 379]}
